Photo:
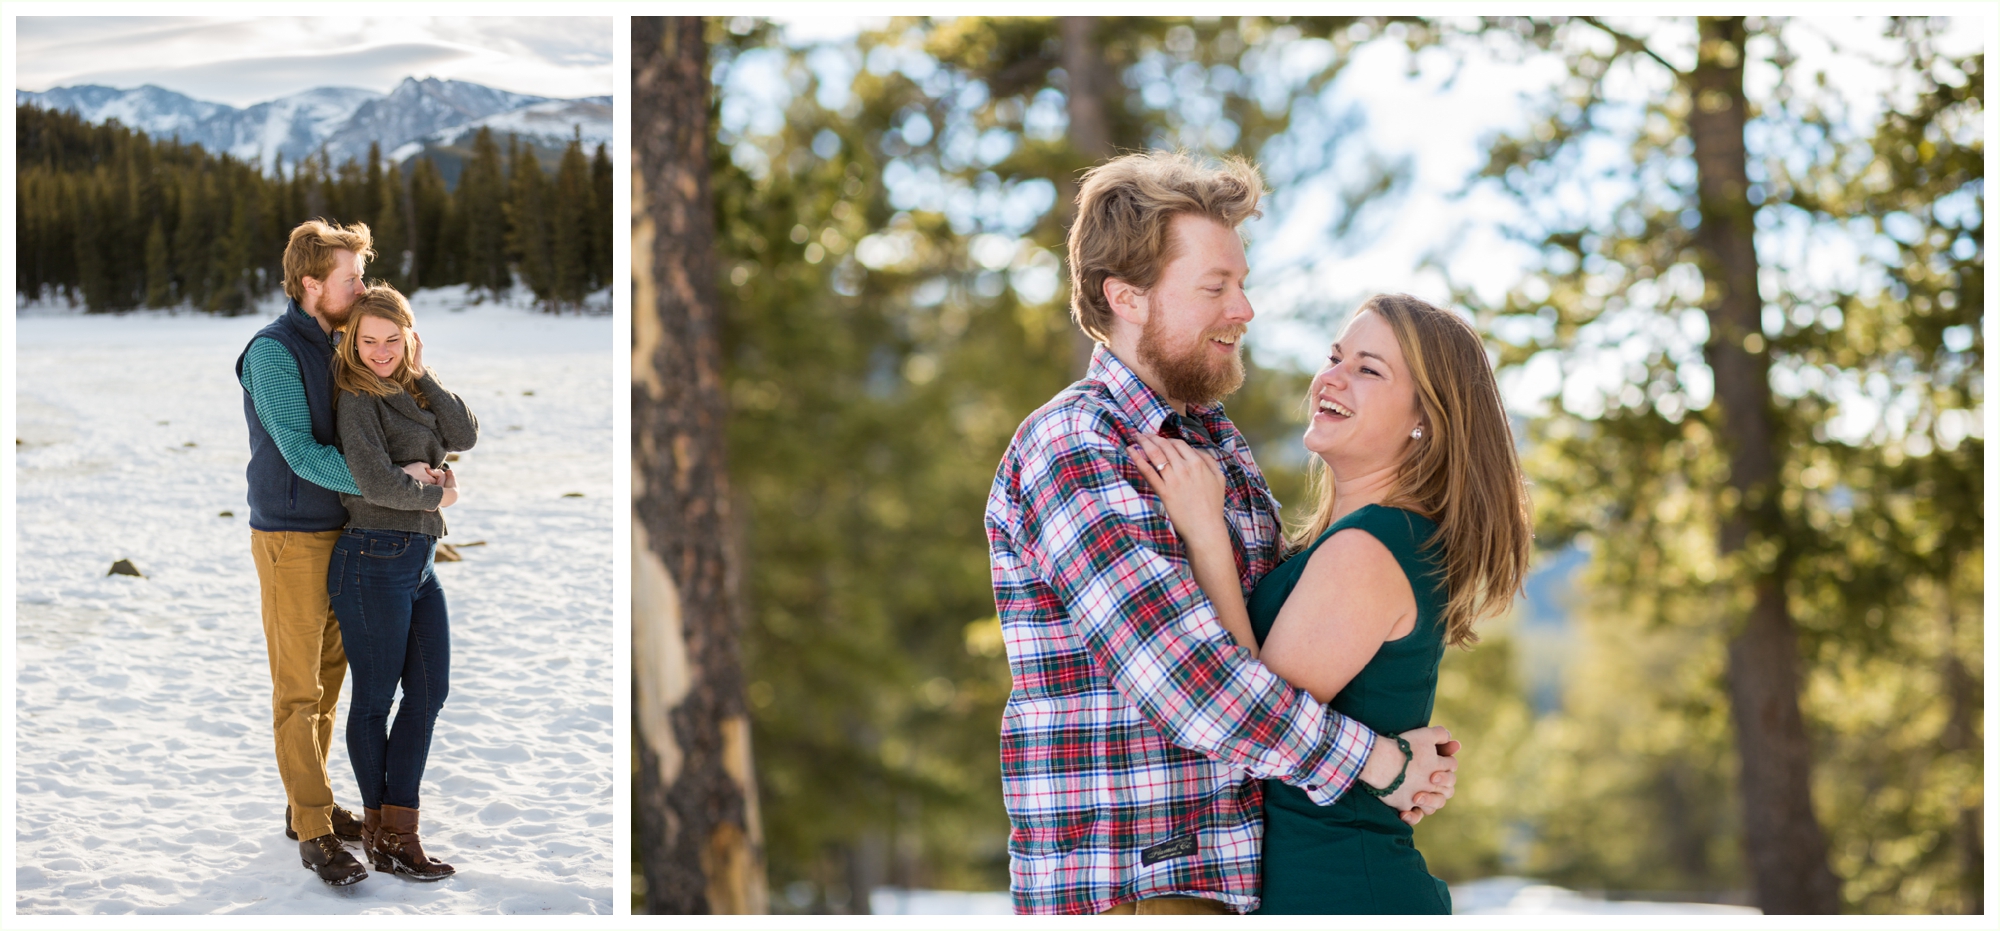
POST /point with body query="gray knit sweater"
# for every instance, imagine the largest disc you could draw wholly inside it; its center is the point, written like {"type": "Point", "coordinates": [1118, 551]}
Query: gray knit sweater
{"type": "Point", "coordinates": [381, 435]}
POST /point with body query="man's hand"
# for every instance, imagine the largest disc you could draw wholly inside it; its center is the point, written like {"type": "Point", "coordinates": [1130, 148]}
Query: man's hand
{"type": "Point", "coordinates": [1431, 778]}
{"type": "Point", "coordinates": [416, 353]}
{"type": "Point", "coordinates": [449, 479]}
{"type": "Point", "coordinates": [1430, 802]}
{"type": "Point", "coordinates": [422, 472]}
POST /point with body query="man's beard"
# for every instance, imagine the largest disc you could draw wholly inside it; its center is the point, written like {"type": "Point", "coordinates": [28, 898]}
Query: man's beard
{"type": "Point", "coordinates": [336, 316]}
{"type": "Point", "coordinates": [1192, 376]}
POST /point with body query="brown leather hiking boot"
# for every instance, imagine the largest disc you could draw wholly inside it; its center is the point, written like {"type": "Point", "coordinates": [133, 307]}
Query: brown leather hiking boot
{"type": "Point", "coordinates": [397, 850]}
{"type": "Point", "coordinates": [345, 825]}
{"type": "Point", "coordinates": [326, 856]}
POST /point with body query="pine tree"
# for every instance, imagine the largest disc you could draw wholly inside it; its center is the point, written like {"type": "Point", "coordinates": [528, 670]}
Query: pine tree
{"type": "Point", "coordinates": [350, 197]}
{"type": "Point", "coordinates": [600, 219]}
{"type": "Point", "coordinates": [571, 229]}
{"type": "Point", "coordinates": [294, 210]}
{"type": "Point", "coordinates": [311, 184]}
{"type": "Point", "coordinates": [426, 217]}
{"type": "Point", "coordinates": [370, 206]}
{"type": "Point", "coordinates": [235, 276]}
{"type": "Point", "coordinates": [192, 237]}
{"type": "Point", "coordinates": [332, 206]}
{"type": "Point", "coordinates": [159, 268]}
{"type": "Point", "coordinates": [451, 238]}
{"type": "Point", "coordinates": [392, 233]}
{"type": "Point", "coordinates": [274, 227]}
{"type": "Point", "coordinates": [129, 194]}
{"type": "Point", "coordinates": [481, 201]}
{"type": "Point", "coordinates": [136, 218]}
{"type": "Point", "coordinates": [92, 279]}
{"type": "Point", "coordinates": [528, 221]}
{"type": "Point", "coordinates": [30, 213]}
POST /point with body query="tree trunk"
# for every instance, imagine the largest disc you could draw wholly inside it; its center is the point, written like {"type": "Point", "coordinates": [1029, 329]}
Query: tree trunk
{"type": "Point", "coordinates": [1960, 736]}
{"type": "Point", "coordinates": [1090, 82]}
{"type": "Point", "coordinates": [1782, 837]}
{"type": "Point", "coordinates": [694, 796]}
{"type": "Point", "coordinates": [1088, 94]}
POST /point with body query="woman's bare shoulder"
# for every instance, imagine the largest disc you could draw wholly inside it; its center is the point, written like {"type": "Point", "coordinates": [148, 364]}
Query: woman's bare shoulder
{"type": "Point", "coordinates": [1357, 566]}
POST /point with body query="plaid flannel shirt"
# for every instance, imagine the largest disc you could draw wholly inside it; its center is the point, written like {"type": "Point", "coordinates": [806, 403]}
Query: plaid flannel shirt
{"type": "Point", "coordinates": [1136, 725]}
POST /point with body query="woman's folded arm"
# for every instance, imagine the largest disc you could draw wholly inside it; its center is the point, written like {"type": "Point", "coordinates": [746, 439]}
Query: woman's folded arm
{"type": "Point", "coordinates": [381, 480]}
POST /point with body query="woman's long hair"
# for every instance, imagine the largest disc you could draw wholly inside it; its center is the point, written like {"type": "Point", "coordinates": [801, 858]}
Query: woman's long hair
{"type": "Point", "coordinates": [353, 376]}
{"type": "Point", "coordinates": [1463, 474]}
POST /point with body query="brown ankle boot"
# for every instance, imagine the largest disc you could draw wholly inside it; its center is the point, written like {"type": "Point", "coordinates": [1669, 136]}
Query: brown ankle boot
{"type": "Point", "coordinates": [371, 824]}
{"type": "Point", "coordinates": [328, 857]}
{"type": "Point", "coordinates": [345, 825]}
{"type": "Point", "coordinates": [397, 850]}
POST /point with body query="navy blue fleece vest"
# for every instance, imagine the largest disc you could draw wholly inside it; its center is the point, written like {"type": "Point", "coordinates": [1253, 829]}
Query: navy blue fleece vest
{"type": "Point", "coordinates": [279, 498]}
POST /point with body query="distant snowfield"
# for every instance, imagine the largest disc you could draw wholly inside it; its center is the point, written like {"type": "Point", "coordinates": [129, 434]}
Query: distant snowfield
{"type": "Point", "coordinates": [145, 781]}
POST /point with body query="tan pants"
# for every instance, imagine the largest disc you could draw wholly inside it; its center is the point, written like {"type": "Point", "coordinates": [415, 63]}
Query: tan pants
{"type": "Point", "coordinates": [1171, 905]}
{"type": "Point", "coordinates": [307, 667]}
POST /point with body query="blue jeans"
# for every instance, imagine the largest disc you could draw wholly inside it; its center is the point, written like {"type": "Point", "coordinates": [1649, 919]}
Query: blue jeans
{"type": "Point", "coordinates": [397, 632]}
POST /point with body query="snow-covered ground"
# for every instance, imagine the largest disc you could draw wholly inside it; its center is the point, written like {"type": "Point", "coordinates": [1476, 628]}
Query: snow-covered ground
{"type": "Point", "coordinates": [144, 777]}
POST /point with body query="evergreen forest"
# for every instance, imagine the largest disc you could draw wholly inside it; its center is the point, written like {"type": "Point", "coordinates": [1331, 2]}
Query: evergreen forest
{"type": "Point", "coordinates": [114, 220]}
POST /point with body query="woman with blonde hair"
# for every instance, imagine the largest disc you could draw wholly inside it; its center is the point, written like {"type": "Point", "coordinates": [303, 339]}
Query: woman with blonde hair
{"type": "Point", "coordinates": [391, 411]}
{"type": "Point", "coordinates": [1421, 529]}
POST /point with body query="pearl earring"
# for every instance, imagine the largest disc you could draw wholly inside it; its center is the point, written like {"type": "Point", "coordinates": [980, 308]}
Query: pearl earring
{"type": "Point", "coordinates": [1417, 434]}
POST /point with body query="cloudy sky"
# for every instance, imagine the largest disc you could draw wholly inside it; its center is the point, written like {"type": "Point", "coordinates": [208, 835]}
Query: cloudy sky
{"type": "Point", "coordinates": [245, 60]}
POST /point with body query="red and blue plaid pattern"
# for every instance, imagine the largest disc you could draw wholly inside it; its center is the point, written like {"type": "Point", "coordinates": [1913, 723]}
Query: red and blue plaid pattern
{"type": "Point", "coordinates": [1135, 721]}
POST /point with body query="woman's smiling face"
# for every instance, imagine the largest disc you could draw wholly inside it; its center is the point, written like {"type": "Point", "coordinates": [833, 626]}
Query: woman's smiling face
{"type": "Point", "coordinates": [1364, 402]}
{"type": "Point", "coordinates": [380, 344]}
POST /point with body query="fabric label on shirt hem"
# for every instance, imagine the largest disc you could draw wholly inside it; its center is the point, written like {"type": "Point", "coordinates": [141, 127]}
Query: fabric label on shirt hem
{"type": "Point", "coordinates": [1182, 846]}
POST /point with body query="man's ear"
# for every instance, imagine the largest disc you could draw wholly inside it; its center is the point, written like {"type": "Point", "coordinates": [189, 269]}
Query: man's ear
{"type": "Point", "coordinates": [310, 284]}
{"type": "Point", "coordinates": [1128, 303]}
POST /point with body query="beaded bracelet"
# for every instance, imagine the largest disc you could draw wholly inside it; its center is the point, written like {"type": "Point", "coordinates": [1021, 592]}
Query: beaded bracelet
{"type": "Point", "coordinates": [1408, 755]}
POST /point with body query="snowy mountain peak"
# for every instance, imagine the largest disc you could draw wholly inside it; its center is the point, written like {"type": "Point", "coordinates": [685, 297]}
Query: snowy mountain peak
{"type": "Point", "coordinates": [418, 108]}
{"type": "Point", "coordinates": [338, 121]}
{"type": "Point", "coordinates": [155, 110]}
{"type": "Point", "coordinates": [473, 100]}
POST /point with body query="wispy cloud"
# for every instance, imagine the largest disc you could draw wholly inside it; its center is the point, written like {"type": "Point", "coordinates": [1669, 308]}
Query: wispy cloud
{"type": "Point", "coordinates": [244, 60]}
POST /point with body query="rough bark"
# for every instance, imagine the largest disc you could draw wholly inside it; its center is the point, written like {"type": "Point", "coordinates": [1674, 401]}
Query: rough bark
{"type": "Point", "coordinates": [1786, 847]}
{"type": "Point", "coordinates": [694, 797]}
{"type": "Point", "coordinates": [1089, 93]}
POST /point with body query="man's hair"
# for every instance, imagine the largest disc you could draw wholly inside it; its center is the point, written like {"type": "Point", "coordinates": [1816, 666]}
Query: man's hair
{"type": "Point", "coordinates": [1124, 221]}
{"type": "Point", "coordinates": [310, 253]}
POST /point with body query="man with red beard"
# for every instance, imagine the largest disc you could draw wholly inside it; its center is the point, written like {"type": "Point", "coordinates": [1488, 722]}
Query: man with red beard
{"type": "Point", "coordinates": [296, 474]}
{"type": "Point", "coordinates": [1136, 733]}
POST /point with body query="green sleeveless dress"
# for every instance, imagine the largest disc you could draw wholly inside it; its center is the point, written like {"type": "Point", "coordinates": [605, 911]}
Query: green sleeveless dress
{"type": "Point", "coordinates": [1356, 856]}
